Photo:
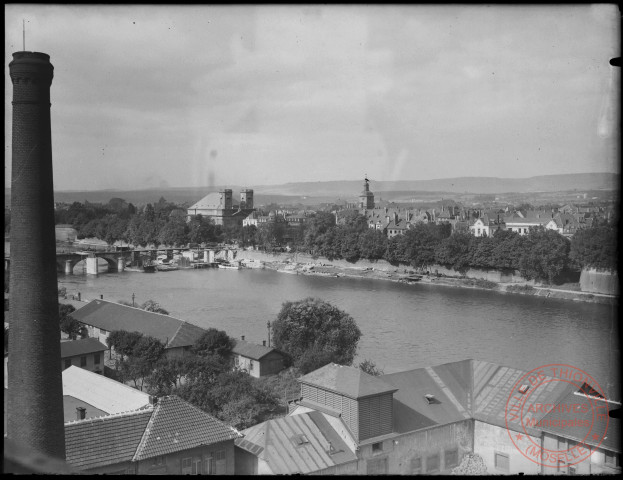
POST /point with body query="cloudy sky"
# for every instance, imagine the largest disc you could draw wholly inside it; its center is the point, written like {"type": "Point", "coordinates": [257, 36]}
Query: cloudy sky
{"type": "Point", "coordinates": [150, 96]}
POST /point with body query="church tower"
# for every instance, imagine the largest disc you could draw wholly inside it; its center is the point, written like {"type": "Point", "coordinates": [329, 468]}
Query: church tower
{"type": "Point", "coordinates": [366, 199]}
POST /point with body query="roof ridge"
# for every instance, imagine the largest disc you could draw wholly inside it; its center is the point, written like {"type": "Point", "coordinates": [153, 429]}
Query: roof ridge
{"type": "Point", "coordinates": [110, 416]}
{"type": "Point", "coordinates": [146, 432]}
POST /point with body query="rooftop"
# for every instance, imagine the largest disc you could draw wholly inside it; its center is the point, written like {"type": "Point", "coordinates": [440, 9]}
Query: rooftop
{"type": "Point", "coordinates": [303, 443]}
{"type": "Point", "coordinates": [111, 316]}
{"type": "Point", "coordinates": [83, 346]}
{"type": "Point", "coordinates": [252, 350]}
{"type": "Point", "coordinates": [348, 381]}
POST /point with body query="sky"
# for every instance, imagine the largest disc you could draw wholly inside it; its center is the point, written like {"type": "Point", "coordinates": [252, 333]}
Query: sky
{"type": "Point", "coordinates": [191, 96]}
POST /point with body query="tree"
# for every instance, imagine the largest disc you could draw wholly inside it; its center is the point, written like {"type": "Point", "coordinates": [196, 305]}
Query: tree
{"type": "Point", "coordinates": [153, 306]}
{"type": "Point", "coordinates": [372, 244]}
{"type": "Point", "coordinates": [453, 252]}
{"type": "Point", "coordinates": [595, 247]}
{"type": "Point", "coordinates": [545, 256]}
{"type": "Point", "coordinates": [214, 342]}
{"type": "Point", "coordinates": [142, 360]}
{"type": "Point", "coordinates": [370, 368]}
{"type": "Point", "coordinates": [123, 341]}
{"type": "Point", "coordinates": [314, 329]}
{"type": "Point", "coordinates": [69, 324]}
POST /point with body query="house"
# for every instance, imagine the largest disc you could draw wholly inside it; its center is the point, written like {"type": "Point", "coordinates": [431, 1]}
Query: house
{"type": "Point", "coordinates": [87, 395]}
{"type": "Point", "coordinates": [258, 360]}
{"type": "Point", "coordinates": [102, 317]}
{"type": "Point", "coordinates": [486, 225]}
{"type": "Point", "coordinates": [520, 223]}
{"type": "Point", "coordinates": [85, 353]}
{"type": "Point", "coordinates": [297, 444]}
{"type": "Point", "coordinates": [171, 437]}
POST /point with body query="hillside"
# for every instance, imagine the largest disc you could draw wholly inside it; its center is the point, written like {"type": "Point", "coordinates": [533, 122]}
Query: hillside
{"type": "Point", "coordinates": [349, 190]}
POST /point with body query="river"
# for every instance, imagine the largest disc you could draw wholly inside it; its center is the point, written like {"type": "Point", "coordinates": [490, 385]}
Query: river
{"type": "Point", "coordinates": [403, 326]}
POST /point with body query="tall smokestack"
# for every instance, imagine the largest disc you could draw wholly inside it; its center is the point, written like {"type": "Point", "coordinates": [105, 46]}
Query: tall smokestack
{"type": "Point", "coordinates": [35, 388]}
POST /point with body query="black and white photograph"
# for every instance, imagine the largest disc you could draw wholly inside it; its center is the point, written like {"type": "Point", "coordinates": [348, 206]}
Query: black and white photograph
{"type": "Point", "coordinates": [312, 239]}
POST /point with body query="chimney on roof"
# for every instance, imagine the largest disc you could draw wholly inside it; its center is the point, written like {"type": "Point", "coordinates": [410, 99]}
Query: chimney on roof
{"type": "Point", "coordinates": [264, 342]}
{"type": "Point", "coordinates": [81, 413]}
{"type": "Point", "coordinates": [242, 338]}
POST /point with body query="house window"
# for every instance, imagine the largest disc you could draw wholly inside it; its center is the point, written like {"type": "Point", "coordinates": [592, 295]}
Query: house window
{"type": "Point", "coordinates": [416, 466]}
{"type": "Point", "coordinates": [377, 447]}
{"type": "Point", "coordinates": [208, 465]}
{"type": "Point", "coordinates": [96, 358]}
{"type": "Point", "coordinates": [572, 470]}
{"type": "Point", "coordinates": [83, 361]}
{"type": "Point", "coordinates": [251, 365]}
{"type": "Point", "coordinates": [432, 463]}
{"type": "Point", "coordinates": [103, 332]}
{"type": "Point", "coordinates": [67, 362]}
{"type": "Point", "coordinates": [196, 466]}
{"type": "Point", "coordinates": [221, 462]}
{"type": "Point", "coordinates": [237, 360]}
{"type": "Point", "coordinates": [187, 464]}
{"type": "Point", "coordinates": [502, 462]}
{"type": "Point", "coordinates": [378, 466]}
{"type": "Point", "coordinates": [451, 458]}
{"type": "Point", "coordinates": [610, 458]}
{"type": "Point", "coordinates": [159, 460]}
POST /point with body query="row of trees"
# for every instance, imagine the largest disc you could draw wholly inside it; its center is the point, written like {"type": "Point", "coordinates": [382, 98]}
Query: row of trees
{"type": "Point", "coordinates": [539, 255]}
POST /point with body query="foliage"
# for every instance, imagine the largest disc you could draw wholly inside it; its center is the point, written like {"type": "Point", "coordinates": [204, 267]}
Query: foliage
{"type": "Point", "coordinates": [314, 333]}
{"type": "Point", "coordinates": [471, 464]}
{"type": "Point", "coordinates": [545, 255]}
{"type": "Point", "coordinates": [595, 247]}
{"type": "Point", "coordinates": [369, 367]}
{"type": "Point", "coordinates": [141, 360]}
{"type": "Point", "coordinates": [153, 306]}
{"type": "Point", "coordinates": [123, 341]}
{"type": "Point", "coordinates": [214, 342]}
{"type": "Point", "coordinates": [69, 324]}
{"type": "Point", "coordinates": [520, 289]}
{"type": "Point", "coordinates": [453, 252]}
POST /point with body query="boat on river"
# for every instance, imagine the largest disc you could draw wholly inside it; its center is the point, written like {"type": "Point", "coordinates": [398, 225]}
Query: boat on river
{"type": "Point", "coordinates": [166, 267]}
{"type": "Point", "coordinates": [229, 265]}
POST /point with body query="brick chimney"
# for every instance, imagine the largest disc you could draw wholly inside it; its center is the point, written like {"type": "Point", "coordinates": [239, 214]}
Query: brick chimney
{"type": "Point", "coordinates": [35, 386]}
{"type": "Point", "coordinates": [81, 413]}
{"type": "Point", "coordinates": [264, 342]}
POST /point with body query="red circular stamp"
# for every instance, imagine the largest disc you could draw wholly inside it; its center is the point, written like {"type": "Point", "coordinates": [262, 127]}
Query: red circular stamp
{"type": "Point", "coordinates": [557, 415]}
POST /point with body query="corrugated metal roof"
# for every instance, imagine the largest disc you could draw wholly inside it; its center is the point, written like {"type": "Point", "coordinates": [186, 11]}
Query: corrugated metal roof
{"type": "Point", "coordinates": [103, 393]}
{"type": "Point", "coordinates": [302, 443]}
{"type": "Point", "coordinates": [349, 381]}
{"type": "Point", "coordinates": [113, 316]}
{"type": "Point", "coordinates": [604, 432]}
{"type": "Point", "coordinates": [177, 425]}
{"type": "Point", "coordinates": [102, 441]}
{"type": "Point", "coordinates": [83, 346]}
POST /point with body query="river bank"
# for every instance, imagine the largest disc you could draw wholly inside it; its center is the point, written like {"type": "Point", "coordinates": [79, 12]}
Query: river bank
{"type": "Point", "coordinates": [287, 263]}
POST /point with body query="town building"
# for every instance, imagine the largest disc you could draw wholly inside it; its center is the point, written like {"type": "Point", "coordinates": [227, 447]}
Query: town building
{"type": "Point", "coordinates": [427, 420]}
{"type": "Point", "coordinates": [87, 353]}
{"type": "Point", "coordinates": [102, 317]}
{"type": "Point", "coordinates": [219, 207]}
{"type": "Point", "coordinates": [171, 437]}
{"type": "Point", "coordinates": [258, 360]}
{"type": "Point", "coordinates": [87, 395]}
{"type": "Point", "coordinates": [366, 199]}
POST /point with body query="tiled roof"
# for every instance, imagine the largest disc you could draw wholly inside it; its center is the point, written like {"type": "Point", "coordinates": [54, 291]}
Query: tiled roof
{"type": "Point", "coordinates": [252, 350]}
{"type": "Point", "coordinates": [83, 346]}
{"type": "Point", "coordinates": [177, 425]}
{"type": "Point", "coordinates": [602, 432]}
{"type": "Point", "coordinates": [349, 381]}
{"type": "Point", "coordinates": [109, 440]}
{"type": "Point", "coordinates": [101, 392]}
{"type": "Point", "coordinates": [111, 316]}
{"type": "Point", "coordinates": [296, 444]}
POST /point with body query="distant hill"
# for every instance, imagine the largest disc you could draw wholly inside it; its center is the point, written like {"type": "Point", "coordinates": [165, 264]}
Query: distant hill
{"type": "Point", "coordinates": [349, 190]}
{"type": "Point", "coordinates": [476, 185]}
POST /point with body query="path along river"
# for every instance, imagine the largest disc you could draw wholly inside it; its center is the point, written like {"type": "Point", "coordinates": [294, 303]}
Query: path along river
{"type": "Point", "coordinates": [403, 326]}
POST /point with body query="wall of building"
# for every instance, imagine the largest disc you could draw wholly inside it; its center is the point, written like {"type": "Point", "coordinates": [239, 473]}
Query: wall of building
{"type": "Point", "coordinates": [271, 364]}
{"type": "Point", "coordinates": [375, 416]}
{"type": "Point", "coordinates": [490, 440]}
{"type": "Point", "coordinates": [595, 464]}
{"type": "Point", "coordinates": [122, 468]}
{"type": "Point", "coordinates": [245, 462]}
{"type": "Point", "coordinates": [348, 407]}
{"type": "Point", "coordinates": [419, 452]}
{"type": "Point", "coordinates": [250, 365]}
{"type": "Point", "coordinates": [598, 281]}
{"type": "Point", "coordinates": [173, 463]}
{"type": "Point", "coordinates": [91, 365]}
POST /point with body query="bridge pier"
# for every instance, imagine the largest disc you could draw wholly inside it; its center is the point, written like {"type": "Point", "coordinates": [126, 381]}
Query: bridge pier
{"type": "Point", "coordinates": [92, 265]}
{"type": "Point", "coordinates": [120, 264]}
{"type": "Point", "coordinates": [68, 267]}
{"type": "Point", "coordinates": [208, 256]}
